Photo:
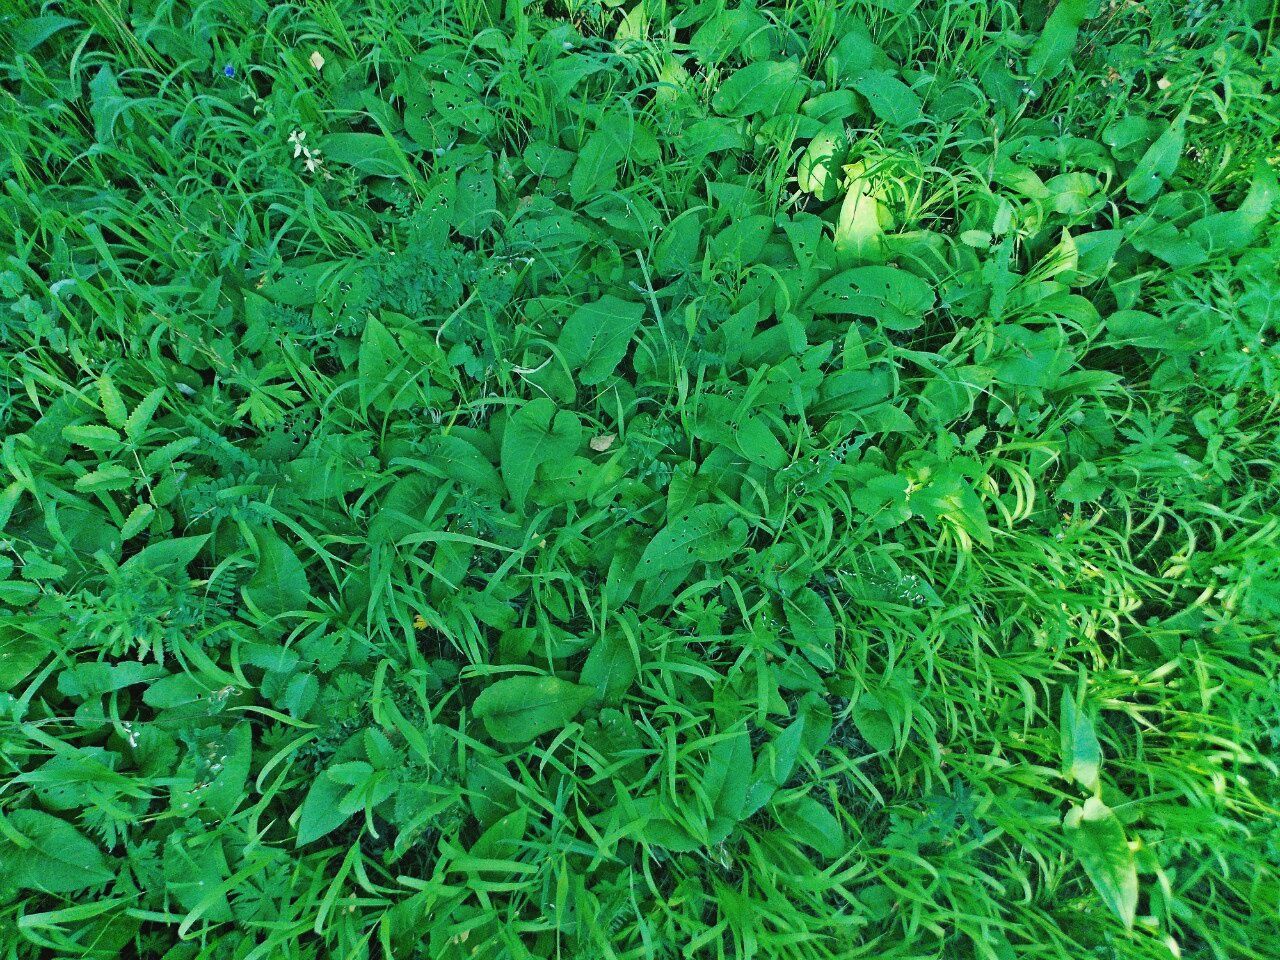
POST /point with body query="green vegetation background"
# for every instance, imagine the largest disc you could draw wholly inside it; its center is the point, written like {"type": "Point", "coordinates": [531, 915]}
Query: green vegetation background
{"type": "Point", "coordinates": [639, 480]}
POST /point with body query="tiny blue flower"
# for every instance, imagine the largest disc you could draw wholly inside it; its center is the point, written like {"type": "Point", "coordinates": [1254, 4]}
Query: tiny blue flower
{"type": "Point", "coordinates": [228, 71]}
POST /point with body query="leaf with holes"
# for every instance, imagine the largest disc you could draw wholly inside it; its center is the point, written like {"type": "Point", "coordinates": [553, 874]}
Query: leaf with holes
{"type": "Point", "coordinates": [896, 298]}
{"type": "Point", "coordinates": [706, 533]}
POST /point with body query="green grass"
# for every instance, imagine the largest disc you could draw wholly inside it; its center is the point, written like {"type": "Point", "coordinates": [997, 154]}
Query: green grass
{"type": "Point", "coordinates": [639, 480]}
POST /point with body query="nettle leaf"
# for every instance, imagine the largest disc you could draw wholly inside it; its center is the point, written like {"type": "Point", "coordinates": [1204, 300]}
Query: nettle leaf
{"type": "Point", "coordinates": [595, 338]}
{"type": "Point", "coordinates": [56, 858]}
{"type": "Point", "coordinates": [536, 434]}
{"type": "Point", "coordinates": [1098, 839]}
{"type": "Point", "coordinates": [520, 708]}
{"type": "Point", "coordinates": [896, 298]}
{"type": "Point", "coordinates": [706, 533]}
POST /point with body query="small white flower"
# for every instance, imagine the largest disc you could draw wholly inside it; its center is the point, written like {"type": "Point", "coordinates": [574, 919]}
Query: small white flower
{"type": "Point", "coordinates": [296, 139]}
{"type": "Point", "coordinates": [317, 61]}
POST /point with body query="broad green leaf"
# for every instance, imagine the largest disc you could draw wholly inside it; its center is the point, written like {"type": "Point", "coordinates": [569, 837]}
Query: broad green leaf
{"type": "Point", "coordinates": [1052, 49]}
{"type": "Point", "coordinates": [1098, 838]}
{"type": "Point", "coordinates": [597, 167]}
{"type": "Point", "coordinates": [279, 584]}
{"type": "Point", "coordinates": [813, 627]}
{"type": "Point", "coordinates": [371, 154]}
{"type": "Point", "coordinates": [595, 337]}
{"type": "Point", "coordinates": [728, 775]}
{"type": "Point", "coordinates": [859, 233]}
{"type": "Point", "coordinates": [819, 169]}
{"type": "Point", "coordinates": [167, 555]}
{"type": "Point", "coordinates": [1081, 752]}
{"type": "Point", "coordinates": [57, 858]}
{"type": "Point", "coordinates": [762, 87]}
{"type": "Point", "coordinates": [476, 202]}
{"type": "Point", "coordinates": [891, 100]}
{"type": "Point", "coordinates": [896, 298]}
{"type": "Point", "coordinates": [809, 822]}
{"type": "Point", "coordinates": [610, 667]}
{"type": "Point", "coordinates": [874, 723]}
{"type": "Point", "coordinates": [1159, 162]}
{"type": "Point", "coordinates": [707, 533]}
{"type": "Point", "coordinates": [517, 709]}
{"type": "Point", "coordinates": [20, 653]}
{"type": "Point", "coordinates": [536, 434]}
{"type": "Point", "coordinates": [380, 361]}
{"type": "Point", "coordinates": [321, 813]}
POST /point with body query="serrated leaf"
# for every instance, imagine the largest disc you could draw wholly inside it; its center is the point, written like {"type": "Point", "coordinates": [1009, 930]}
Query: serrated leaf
{"type": "Point", "coordinates": [109, 476]}
{"type": "Point", "coordinates": [92, 437]}
{"type": "Point", "coordinates": [140, 419]}
{"type": "Point", "coordinates": [112, 403]}
{"type": "Point", "coordinates": [137, 520]}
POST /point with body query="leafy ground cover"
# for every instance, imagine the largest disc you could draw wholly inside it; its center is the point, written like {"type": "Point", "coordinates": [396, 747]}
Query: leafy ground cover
{"type": "Point", "coordinates": [639, 480]}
